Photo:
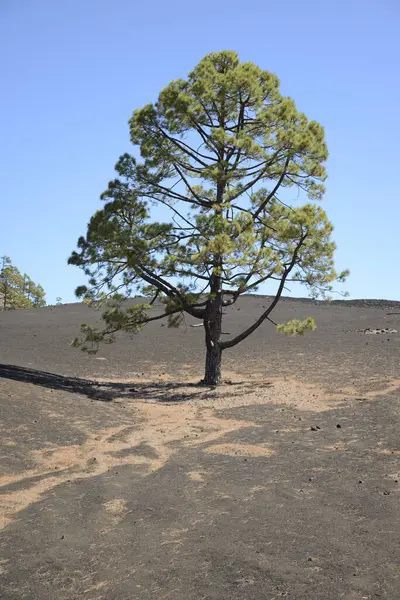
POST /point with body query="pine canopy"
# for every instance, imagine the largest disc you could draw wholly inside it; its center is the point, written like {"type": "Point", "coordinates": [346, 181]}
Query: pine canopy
{"type": "Point", "coordinates": [199, 216]}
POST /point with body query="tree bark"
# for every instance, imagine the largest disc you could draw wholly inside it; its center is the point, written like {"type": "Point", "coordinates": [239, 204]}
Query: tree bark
{"type": "Point", "coordinates": [212, 326]}
{"type": "Point", "coordinates": [212, 375]}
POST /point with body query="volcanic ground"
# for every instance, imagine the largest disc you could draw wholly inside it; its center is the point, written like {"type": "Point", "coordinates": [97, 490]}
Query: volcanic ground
{"type": "Point", "coordinates": [121, 479]}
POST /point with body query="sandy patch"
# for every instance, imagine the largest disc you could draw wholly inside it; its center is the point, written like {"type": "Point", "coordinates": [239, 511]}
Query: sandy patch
{"type": "Point", "coordinates": [240, 391]}
{"type": "Point", "coordinates": [116, 508]}
{"type": "Point", "coordinates": [16, 501]}
{"type": "Point", "coordinates": [239, 450]}
{"type": "Point", "coordinates": [197, 476]}
{"type": "Point", "coordinates": [108, 449]}
{"type": "Point", "coordinates": [171, 415]}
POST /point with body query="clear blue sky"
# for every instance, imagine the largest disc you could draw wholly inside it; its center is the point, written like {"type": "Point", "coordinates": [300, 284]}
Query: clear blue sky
{"type": "Point", "coordinates": [72, 71]}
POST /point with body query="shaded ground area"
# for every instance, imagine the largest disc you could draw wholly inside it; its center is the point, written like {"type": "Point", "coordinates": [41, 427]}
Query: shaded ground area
{"type": "Point", "coordinates": [120, 483]}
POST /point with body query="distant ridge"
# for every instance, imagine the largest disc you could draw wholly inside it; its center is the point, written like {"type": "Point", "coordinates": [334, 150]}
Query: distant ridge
{"type": "Point", "coordinates": [366, 302]}
{"type": "Point", "coordinates": [357, 302]}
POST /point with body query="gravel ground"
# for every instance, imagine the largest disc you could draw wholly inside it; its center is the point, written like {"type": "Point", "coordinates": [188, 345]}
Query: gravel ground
{"type": "Point", "coordinates": [122, 479]}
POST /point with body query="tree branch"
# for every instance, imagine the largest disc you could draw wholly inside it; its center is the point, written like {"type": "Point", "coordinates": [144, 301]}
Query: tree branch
{"type": "Point", "coordinates": [273, 192]}
{"type": "Point", "coordinates": [183, 147]}
{"type": "Point", "coordinates": [242, 336]}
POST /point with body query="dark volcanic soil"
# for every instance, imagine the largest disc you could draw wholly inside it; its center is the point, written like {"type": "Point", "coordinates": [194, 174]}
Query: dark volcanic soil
{"type": "Point", "coordinates": [335, 354]}
{"type": "Point", "coordinates": [120, 480]}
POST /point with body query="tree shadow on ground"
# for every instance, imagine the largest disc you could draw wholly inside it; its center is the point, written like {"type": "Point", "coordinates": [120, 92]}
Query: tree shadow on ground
{"type": "Point", "coordinates": [158, 391]}
{"type": "Point", "coordinates": [55, 382]}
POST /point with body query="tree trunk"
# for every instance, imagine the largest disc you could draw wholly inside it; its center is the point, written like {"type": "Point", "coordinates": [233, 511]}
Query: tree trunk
{"type": "Point", "coordinates": [213, 316]}
{"type": "Point", "coordinates": [212, 374]}
{"type": "Point", "coordinates": [212, 326]}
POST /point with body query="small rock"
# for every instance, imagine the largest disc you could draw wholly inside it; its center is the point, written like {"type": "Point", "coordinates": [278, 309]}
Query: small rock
{"type": "Point", "coordinates": [386, 493]}
{"type": "Point", "coordinates": [313, 428]}
{"type": "Point", "coordinates": [339, 426]}
{"type": "Point", "coordinates": [360, 481]}
{"type": "Point", "coordinates": [62, 537]}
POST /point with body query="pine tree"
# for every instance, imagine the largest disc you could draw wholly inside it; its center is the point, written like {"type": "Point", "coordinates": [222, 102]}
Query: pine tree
{"type": "Point", "coordinates": [33, 292]}
{"type": "Point", "coordinates": [16, 290]}
{"type": "Point", "coordinates": [219, 151]}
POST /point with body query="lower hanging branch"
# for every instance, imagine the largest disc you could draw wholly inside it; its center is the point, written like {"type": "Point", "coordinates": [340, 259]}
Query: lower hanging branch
{"type": "Point", "coordinates": [131, 320]}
